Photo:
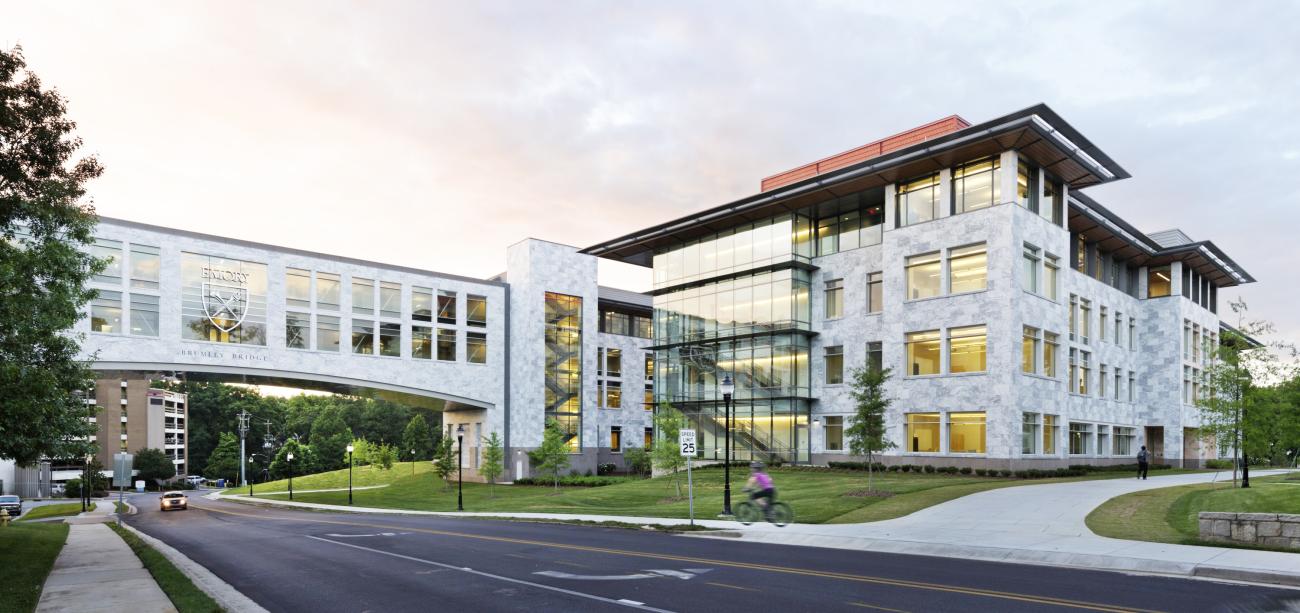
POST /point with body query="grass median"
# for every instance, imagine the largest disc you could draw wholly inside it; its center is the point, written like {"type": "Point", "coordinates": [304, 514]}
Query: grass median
{"type": "Point", "coordinates": [817, 495]}
{"type": "Point", "coordinates": [55, 510]}
{"type": "Point", "coordinates": [29, 553]}
{"type": "Point", "coordinates": [1169, 514]}
{"type": "Point", "coordinates": [186, 597]}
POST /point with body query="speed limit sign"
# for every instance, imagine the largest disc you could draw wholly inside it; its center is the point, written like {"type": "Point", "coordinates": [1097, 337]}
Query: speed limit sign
{"type": "Point", "coordinates": [686, 439]}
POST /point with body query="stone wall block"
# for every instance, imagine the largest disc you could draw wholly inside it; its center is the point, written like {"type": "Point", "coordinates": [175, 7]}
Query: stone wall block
{"type": "Point", "coordinates": [1257, 517]}
{"type": "Point", "coordinates": [1243, 531]}
{"type": "Point", "coordinates": [1267, 529]}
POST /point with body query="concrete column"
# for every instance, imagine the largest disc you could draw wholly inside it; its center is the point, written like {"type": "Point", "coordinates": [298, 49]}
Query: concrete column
{"type": "Point", "coordinates": [891, 206]}
{"type": "Point", "coordinates": [1175, 278]}
{"type": "Point", "coordinates": [1007, 186]}
{"type": "Point", "coordinates": [945, 193]}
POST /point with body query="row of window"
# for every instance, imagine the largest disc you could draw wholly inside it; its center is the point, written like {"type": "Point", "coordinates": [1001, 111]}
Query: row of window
{"type": "Point", "coordinates": [1193, 385]}
{"type": "Point", "coordinates": [383, 296]}
{"type": "Point", "coordinates": [614, 322]}
{"type": "Point", "coordinates": [1081, 323]}
{"type": "Point", "coordinates": [142, 267]}
{"type": "Point", "coordinates": [106, 313]}
{"type": "Point", "coordinates": [966, 434]}
{"type": "Point", "coordinates": [615, 439]}
{"type": "Point", "coordinates": [951, 271]}
{"type": "Point", "coordinates": [1109, 380]}
{"type": "Point", "coordinates": [1041, 271]}
{"type": "Point", "coordinates": [381, 338]}
{"type": "Point", "coordinates": [1198, 347]}
{"type": "Point", "coordinates": [975, 185]}
{"type": "Point", "coordinates": [1200, 290]}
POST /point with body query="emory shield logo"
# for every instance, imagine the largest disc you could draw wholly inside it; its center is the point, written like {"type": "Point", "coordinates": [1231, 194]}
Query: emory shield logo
{"type": "Point", "coordinates": [225, 305]}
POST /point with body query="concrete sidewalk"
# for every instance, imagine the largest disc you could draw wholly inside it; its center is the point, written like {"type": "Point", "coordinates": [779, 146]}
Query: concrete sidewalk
{"type": "Point", "coordinates": [1030, 524]}
{"type": "Point", "coordinates": [97, 572]}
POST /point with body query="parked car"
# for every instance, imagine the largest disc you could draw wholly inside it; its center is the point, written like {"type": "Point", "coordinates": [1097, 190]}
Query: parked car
{"type": "Point", "coordinates": [173, 500]}
{"type": "Point", "coordinates": [195, 480]}
{"type": "Point", "coordinates": [12, 505]}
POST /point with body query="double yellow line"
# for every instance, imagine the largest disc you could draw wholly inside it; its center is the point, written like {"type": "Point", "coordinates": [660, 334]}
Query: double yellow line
{"type": "Point", "coordinates": [920, 585]}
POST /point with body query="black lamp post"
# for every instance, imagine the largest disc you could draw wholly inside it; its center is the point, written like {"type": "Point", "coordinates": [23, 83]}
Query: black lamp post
{"type": "Point", "coordinates": [460, 465]}
{"type": "Point", "coordinates": [412, 462]}
{"type": "Point", "coordinates": [349, 474]}
{"type": "Point", "coordinates": [250, 481]}
{"type": "Point", "coordinates": [289, 457]}
{"type": "Point", "coordinates": [727, 388]}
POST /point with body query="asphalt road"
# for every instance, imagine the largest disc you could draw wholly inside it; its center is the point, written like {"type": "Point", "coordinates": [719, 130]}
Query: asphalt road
{"type": "Point", "coordinates": [309, 561]}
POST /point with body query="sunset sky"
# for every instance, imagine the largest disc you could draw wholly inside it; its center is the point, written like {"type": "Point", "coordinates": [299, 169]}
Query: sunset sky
{"type": "Point", "coordinates": [435, 135]}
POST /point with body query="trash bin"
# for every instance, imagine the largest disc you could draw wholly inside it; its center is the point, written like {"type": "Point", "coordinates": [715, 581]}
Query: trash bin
{"type": "Point", "coordinates": [221, 483]}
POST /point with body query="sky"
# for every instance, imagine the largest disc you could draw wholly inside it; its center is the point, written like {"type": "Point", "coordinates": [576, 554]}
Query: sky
{"type": "Point", "coordinates": [435, 135]}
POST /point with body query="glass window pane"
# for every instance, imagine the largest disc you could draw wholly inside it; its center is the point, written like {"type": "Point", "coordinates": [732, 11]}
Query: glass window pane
{"type": "Point", "coordinates": [446, 344]}
{"type": "Point", "coordinates": [327, 333]}
{"type": "Point", "coordinates": [363, 296]}
{"type": "Point", "coordinates": [422, 304]}
{"type": "Point", "coordinates": [297, 330]}
{"type": "Point", "coordinates": [145, 266]}
{"type": "Point", "coordinates": [144, 315]}
{"type": "Point", "coordinates": [363, 337]}
{"type": "Point", "coordinates": [390, 299]}
{"type": "Point", "coordinates": [923, 432]}
{"type": "Point", "coordinates": [875, 292]}
{"type": "Point", "coordinates": [327, 291]}
{"type": "Point", "coordinates": [969, 269]}
{"type": "Point", "coordinates": [1158, 282]}
{"type": "Point", "coordinates": [967, 349]}
{"type": "Point", "coordinates": [111, 252]}
{"type": "Point", "coordinates": [422, 342]}
{"type": "Point", "coordinates": [966, 433]}
{"type": "Point", "coordinates": [476, 347]}
{"type": "Point", "coordinates": [297, 287]}
{"type": "Point", "coordinates": [923, 279]}
{"type": "Point", "coordinates": [477, 311]}
{"type": "Point", "coordinates": [923, 353]}
{"type": "Point", "coordinates": [834, 365]}
{"type": "Point", "coordinates": [446, 307]}
{"type": "Point", "coordinates": [390, 339]}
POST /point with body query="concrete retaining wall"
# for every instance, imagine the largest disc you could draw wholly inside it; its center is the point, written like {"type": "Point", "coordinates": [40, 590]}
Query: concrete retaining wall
{"type": "Point", "coordinates": [1262, 529]}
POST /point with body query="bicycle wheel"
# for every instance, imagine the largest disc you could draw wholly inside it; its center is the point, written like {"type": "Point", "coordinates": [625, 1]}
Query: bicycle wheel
{"type": "Point", "coordinates": [747, 513]}
{"type": "Point", "coordinates": [782, 514]}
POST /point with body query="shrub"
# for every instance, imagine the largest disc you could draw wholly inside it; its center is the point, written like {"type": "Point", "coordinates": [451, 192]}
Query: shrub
{"type": "Point", "coordinates": [1218, 464]}
{"type": "Point", "coordinates": [604, 469]}
{"type": "Point", "coordinates": [929, 468]}
{"type": "Point", "coordinates": [966, 470]}
{"type": "Point", "coordinates": [572, 481]}
{"type": "Point", "coordinates": [980, 472]}
{"type": "Point", "coordinates": [895, 468]}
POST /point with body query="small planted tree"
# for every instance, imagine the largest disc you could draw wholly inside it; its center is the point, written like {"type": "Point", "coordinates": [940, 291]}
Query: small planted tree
{"type": "Point", "coordinates": [867, 433]}
{"type": "Point", "coordinates": [665, 454]}
{"type": "Point", "coordinates": [494, 455]}
{"type": "Point", "coordinates": [154, 465]}
{"type": "Point", "coordinates": [444, 460]}
{"type": "Point", "coordinates": [417, 437]}
{"type": "Point", "coordinates": [223, 463]}
{"type": "Point", "coordinates": [637, 460]}
{"type": "Point", "coordinates": [553, 456]}
{"type": "Point", "coordinates": [384, 455]}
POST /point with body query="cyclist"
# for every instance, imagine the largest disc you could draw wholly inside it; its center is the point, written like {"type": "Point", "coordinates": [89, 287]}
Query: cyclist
{"type": "Point", "coordinates": [760, 486]}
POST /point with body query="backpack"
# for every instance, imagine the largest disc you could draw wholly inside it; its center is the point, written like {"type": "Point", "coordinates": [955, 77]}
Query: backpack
{"type": "Point", "coordinates": [1142, 455]}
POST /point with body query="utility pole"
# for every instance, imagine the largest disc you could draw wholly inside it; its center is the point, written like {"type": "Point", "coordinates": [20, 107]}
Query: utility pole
{"type": "Point", "coordinates": [243, 432]}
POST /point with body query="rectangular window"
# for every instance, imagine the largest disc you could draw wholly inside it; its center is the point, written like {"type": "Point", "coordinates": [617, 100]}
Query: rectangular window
{"type": "Point", "coordinates": [649, 438]}
{"type": "Point", "coordinates": [649, 399]}
{"type": "Point", "coordinates": [111, 252]}
{"type": "Point", "coordinates": [923, 353]}
{"type": "Point", "coordinates": [1081, 254]}
{"type": "Point", "coordinates": [649, 367]}
{"type": "Point", "coordinates": [1196, 344]}
{"type": "Point", "coordinates": [613, 395]}
{"type": "Point", "coordinates": [1132, 386]}
{"type": "Point", "coordinates": [875, 292]}
{"type": "Point", "coordinates": [1031, 431]}
{"type": "Point", "coordinates": [1132, 333]}
{"type": "Point", "coordinates": [390, 299]}
{"type": "Point", "coordinates": [422, 304]}
{"type": "Point", "coordinates": [1050, 433]}
{"type": "Point", "coordinates": [1051, 343]}
{"type": "Point", "coordinates": [1027, 186]}
{"type": "Point", "coordinates": [145, 266]}
{"type": "Point", "coordinates": [1029, 279]}
{"type": "Point", "coordinates": [297, 330]}
{"type": "Point", "coordinates": [1158, 282]}
{"type": "Point", "coordinates": [834, 432]}
{"type": "Point", "coordinates": [297, 288]}
{"type": "Point", "coordinates": [422, 342]}
{"type": "Point", "coordinates": [1080, 438]}
{"type": "Point", "coordinates": [834, 365]}
{"type": "Point", "coordinates": [967, 349]}
{"type": "Point", "coordinates": [390, 339]}
{"type": "Point", "coordinates": [966, 432]}
{"type": "Point", "coordinates": [327, 291]}
{"type": "Point", "coordinates": [614, 362]}
{"type": "Point", "coordinates": [1085, 371]}
{"type": "Point", "coordinates": [968, 268]}
{"type": "Point", "coordinates": [1118, 377]}
{"type": "Point", "coordinates": [834, 298]}
{"type": "Point", "coordinates": [875, 356]}
{"type": "Point", "coordinates": [563, 365]}
{"type": "Point", "coordinates": [923, 276]}
{"type": "Point", "coordinates": [923, 432]}
{"type": "Point", "coordinates": [917, 200]}
{"type": "Point", "coordinates": [1085, 320]}
{"type": "Point", "coordinates": [1074, 317]}
{"type": "Point", "coordinates": [1102, 380]}
{"type": "Point", "coordinates": [1051, 270]}
{"type": "Point", "coordinates": [1072, 385]}
{"type": "Point", "coordinates": [144, 315]}
{"type": "Point", "coordinates": [1050, 208]}
{"type": "Point", "coordinates": [1029, 348]}
{"type": "Point", "coordinates": [1119, 323]}
{"type": "Point", "coordinates": [363, 296]}
{"type": "Point", "coordinates": [975, 185]}
{"type": "Point", "coordinates": [446, 345]}
{"type": "Point", "coordinates": [327, 333]}
{"type": "Point", "coordinates": [1103, 439]}
{"type": "Point", "coordinates": [1101, 323]}
{"type": "Point", "coordinates": [476, 347]}
{"type": "Point", "coordinates": [476, 311]}
{"type": "Point", "coordinates": [616, 439]}
{"type": "Point", "coordinates": [106, 312]}
{"type": "Point", "coordinates": [616, 323]}
{"type": "Point", "coordinates": [363, 337]}
{"type": "Point", "coordinates": [446, 307]}
{"type": "Point", "coordinates": [1124, 438]}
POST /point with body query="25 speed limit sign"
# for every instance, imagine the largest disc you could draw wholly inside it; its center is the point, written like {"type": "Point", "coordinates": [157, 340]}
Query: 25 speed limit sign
{"type": "Point", "coordinates": [686, 439]}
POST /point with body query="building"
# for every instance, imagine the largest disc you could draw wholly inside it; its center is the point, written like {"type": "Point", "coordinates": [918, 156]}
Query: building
{"type": "Point", "coordinates": [132, 415]}
{"type": "Point", "coordinates": [1025, 324]}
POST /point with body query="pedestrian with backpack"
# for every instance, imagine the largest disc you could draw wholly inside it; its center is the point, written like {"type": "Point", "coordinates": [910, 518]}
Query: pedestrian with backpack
{"type": "Point", "coordinates": [1143, 458]}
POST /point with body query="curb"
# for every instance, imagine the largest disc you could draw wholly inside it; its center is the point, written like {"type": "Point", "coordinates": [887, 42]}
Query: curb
{"type": "Point", "coordinates": [227, 596]}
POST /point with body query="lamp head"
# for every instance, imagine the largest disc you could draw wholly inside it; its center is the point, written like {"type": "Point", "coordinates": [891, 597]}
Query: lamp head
{"type": "Point", "coordinates": [460, 428]}
{"type": "Point", "coordinates": [289, 456]}
{"type": "Point", "coordinates": [727, 387]}
{"type": "Point", "coordinates": [349, 448]}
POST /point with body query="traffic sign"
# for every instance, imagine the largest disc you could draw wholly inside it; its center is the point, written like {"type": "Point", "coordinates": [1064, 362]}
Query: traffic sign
{"type": "Point", "coordinates": [686, 439]}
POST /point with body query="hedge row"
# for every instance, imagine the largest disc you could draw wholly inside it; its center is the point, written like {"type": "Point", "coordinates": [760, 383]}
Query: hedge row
{"type": "Point", "coordinates": [573, 481]}
{"type": "Point", "coordinates": [1075, 470]}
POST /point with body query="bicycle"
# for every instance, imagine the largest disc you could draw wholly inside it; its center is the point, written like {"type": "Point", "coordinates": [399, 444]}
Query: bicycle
{"type": "Point", "coordinates": [748, 512]}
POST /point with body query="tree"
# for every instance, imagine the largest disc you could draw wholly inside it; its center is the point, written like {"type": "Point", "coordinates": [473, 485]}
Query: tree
{"type": "Point", "coordinates": [384, 455]}
{"type": "Point", "coordinates": [494, 455]}
{"type": "Point", "coordinates": [224, 461]}
{"type": "Point", "coordinates": [553, 456]}
{"type": "Point", "coordinates": [637, 460]}
{"type": "Point", "coordinates": [361, 452]}
{"type": "Point", "coordinates": [867, 435]}
{"type": "Point", "coordinates": [329, 438]}
{"type": "Point", "coordinates": [44, 266]}
{"type": "Point", "coordinates": [416, 437]}
{"type": "Point", "coordinates": [304, 460]}
{"type": "Point", "coordinates": [154, 465]}
{"type": "Point", "coordinates": [666, 455]}
{"type": "Point", "coordinates": [444, 460]}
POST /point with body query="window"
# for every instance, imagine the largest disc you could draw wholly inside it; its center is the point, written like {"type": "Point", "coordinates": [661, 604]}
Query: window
{"type": "Point", "coordinates": [1103, 439]}
{"type": "Point", "coordinates": [1196, 385]}
{"type": "Point", "coordinates": [875, 356]}
{"type": "Point", "coordinates": [1085, 371]}
{"type": "Point", "coordinates": [1081, 254]}
{"type": "Point", "coordinates": [1050, 432]}
{"type": "Point", "coordinates": [363, 296]}
{"type": "Point", "coordinates": [1158, 284]}
{"type": "Point", "coordinates": [1029, 348]}
{"type": "Point", "coordinates": [1080, 438]}
{"type": "Point", "coordinates": [1124, 438]}
{"type": "Point", "coordinates": [390, 299]}
{"type": "Point", "coordinates": [1196, 344]}
{"type": "Point", "coordinates": [145, 265]}
{"type": "Point", "coordinates": [1101, 323]}
{"type": "Point", "coordinates": [111, 252]}
{"type": "Point", "coordinates": [390, 339]}
{"type": "Point", "coordinates": [875, 292]}
{"type": "Point", "coordinates": [834, 365]}
{"type": "Point", "coordinates": [144, 315]}
{"type": "Point", "coordinates": [1027, 186]}
{"type": "Point", "coordinates": [923, 432]}
{"type": "Point", "coordinates": [613, 395]}
{"type": "Point", "coordinates": [446, 307]}
{"type": "Point", "coordinates": [649, 437]}
{"type": "Point", "coordinates": [1050, 207]}
{"type": "Point", "coordinates": [1050, 348]}
{"type": "Point", "coordinates": [834, 433]}
{"type": "Point", "coordinates": [446, 345]}
{"type": "Point", "coordinates": [923, 353]}
{"type": "Point", "coordinates": [297, 288]}
{"type": "Point", "coordinates": [363, 337]}
{"type": "Point", "coordinates": [106, 312]}
{"type": "Point", "coordinates": [923, 274]}
{"type": "Point", "coordinates": [327, 291]}
{"type": "Point", "coordinates": [476, 347]}
{"type": "Point", "coordinates": [641, 327]}
{"type": "Point", "coordinates": [1085, 319]}
{"type": "Point", "coordinates": [649, 367]}
{"type": "Point", "coordinates": [1030, 433]}
{"type": "Point", "coordinates": [1051, 270]}
{"type": "Point", "coordinates": [422, 342]}
{"type": "Point", "coordinates": [834, 298]}
{"type": "Point", "coordinates": [327, 333]}
{"type": "Point", "coordinates": [967, 349]}
{"type": "Point", "coordinates": [616, 439]}
{"type": "Point", "coordinates": [1119, 322]}
{"type": "Point", "coordinates": [649, 399]}
{"type": "Point", "coordinates": [476, 311]}
{"type": "Point", "coordinates": [966, 432]}
{"type": "Point", "coordinates": [1074, 317]}
{"type": "Point", "coordinates": [1132, 386]}
{"type": "Point", "coordinates": [563, 365]}
{"type": "Point", "coordinates": [1029, 281]}
{"type": "Point", "coordinates": [614, 362]}
{"type": "Point", "coordinates": [297, 330]}
{"type": "Point", "coordinates": [1072, 385]}
{"type": "Point", "coordinates": [1101, 381]}
{"type": "Point", "coordinates": [975, 185]}
{"type": "Point", "coordinates": [968, 269]}
{"type": "Point", "coordinates": [421, 304]}
{"type": "Point", "coordinates": [918, 200]}
{"type": "Point", "coordinates": [1132, 333]}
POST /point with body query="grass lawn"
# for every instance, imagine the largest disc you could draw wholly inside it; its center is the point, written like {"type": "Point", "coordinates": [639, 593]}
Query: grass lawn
{"type": "Point", "coordinates": [29, 552]}
{"type": "Point", "coordinates": [361, 476]}
{"type": "Point", "coordinates": [1169, 515]}
{"type": "Point", "coordinates": [55, 510]}
{"type": "Point", "coordinates": [184, 595]}
{"type": "Point", "coordinates": [816, 496]}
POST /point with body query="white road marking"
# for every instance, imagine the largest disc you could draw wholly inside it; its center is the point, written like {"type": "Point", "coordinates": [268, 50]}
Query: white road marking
{"type": "Point", "coordinates": [563, 575]}
{"type": "Point", "coordinates": [497, 577]}
{"type": "Point", "coordinates": [631, 602]}
{"type": "Point", "coordinates": [351, 536]}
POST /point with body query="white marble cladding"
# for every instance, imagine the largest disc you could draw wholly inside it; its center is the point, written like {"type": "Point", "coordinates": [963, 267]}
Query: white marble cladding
{"type": "Point", "coordinates": [477, 384]}
{"type": "Point", "coordinates": [631, 416]}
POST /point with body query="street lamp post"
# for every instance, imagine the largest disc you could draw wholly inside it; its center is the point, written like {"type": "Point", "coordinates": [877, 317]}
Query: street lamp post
{"type": "Point", "coordinates": [289, 457]}
{"type": "Point", "coordinates": [250, 481]}
{"type": "Point", "coordinates": [460, 466]}
{"type": "Point", "coordinates": [349, 474]}
{"type": "Point", "coordinates": [412, 462]}
{"type": "Point", "coordinates": [727, 387]}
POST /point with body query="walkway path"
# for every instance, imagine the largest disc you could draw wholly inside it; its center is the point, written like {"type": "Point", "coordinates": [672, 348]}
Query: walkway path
{"type": "Point", "coordinates": [98, 573]}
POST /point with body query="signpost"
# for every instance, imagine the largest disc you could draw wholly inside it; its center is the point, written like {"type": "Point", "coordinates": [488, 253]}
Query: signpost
{"type": "Point", "coordinates": [686, 440]}
{"type": "Point", "coordinates": [121, 476]}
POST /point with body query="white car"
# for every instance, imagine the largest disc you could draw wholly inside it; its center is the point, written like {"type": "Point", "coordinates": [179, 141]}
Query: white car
{"type": "Point", "coordinates": [172, 501]}
{"type": "Point", "coordinates": [195, 480]}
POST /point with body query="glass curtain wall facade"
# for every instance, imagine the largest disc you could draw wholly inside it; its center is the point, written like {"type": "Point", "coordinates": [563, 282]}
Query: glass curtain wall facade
{"type": "Point", "coordinates": [564, 366]}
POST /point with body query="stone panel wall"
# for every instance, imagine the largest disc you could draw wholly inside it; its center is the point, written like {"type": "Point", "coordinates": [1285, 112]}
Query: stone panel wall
{"type": "Point", "coordinates": [1260, 529]}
